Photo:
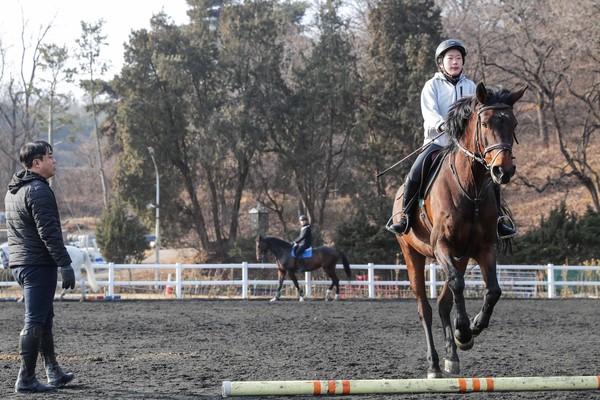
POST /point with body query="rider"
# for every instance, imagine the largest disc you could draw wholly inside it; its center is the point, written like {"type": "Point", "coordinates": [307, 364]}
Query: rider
{"type": "Point", "coordinates": [439, 93]}
{"type": "Point", "coordinates": [303, 241]}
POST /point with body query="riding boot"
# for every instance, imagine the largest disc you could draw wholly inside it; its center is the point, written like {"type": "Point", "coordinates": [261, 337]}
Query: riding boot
{"type": "Point", "coordinates": [411, 189]}
{"type": "Point", "coordinates": [29, 344]}
{"type": "Point", "coordinates": [54, 372]}
{"type": "Point", "coordinates": [302, 268]}
{"type": "Point", "coordinates": [506, 227]}
{"type": "Point", "coordinates": [505, 230]}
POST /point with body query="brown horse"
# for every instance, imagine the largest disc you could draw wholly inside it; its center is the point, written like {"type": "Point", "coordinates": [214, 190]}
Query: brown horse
{"type": "Point", "coordinates": [322, 257]}
{"type": "Point", "coordinates": [457, 219]}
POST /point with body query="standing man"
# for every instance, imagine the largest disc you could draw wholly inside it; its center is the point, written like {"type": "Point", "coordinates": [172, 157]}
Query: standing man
{"type": "Point", "coordinates": [302, 242]}
{"type": "Point", "coordinates": [36, 250]}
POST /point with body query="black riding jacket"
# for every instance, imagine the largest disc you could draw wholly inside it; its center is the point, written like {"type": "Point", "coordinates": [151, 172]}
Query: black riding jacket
{"type": "Point", "coordinates": [305, 237]}
{"type": "Point", "coordinates": [33, 223]}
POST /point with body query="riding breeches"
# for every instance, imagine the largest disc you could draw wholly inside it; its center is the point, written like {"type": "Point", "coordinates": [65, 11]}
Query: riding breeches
{"type": "Point", "coordinates": [300, 249]}
{"type": "Point", "coordinates": [39, 286]}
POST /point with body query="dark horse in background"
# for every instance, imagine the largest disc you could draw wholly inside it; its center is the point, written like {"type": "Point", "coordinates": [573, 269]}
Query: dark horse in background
{"type": "Point", "coordinates": [457, 219]}
{"type": "Point", "coordinates": [322, 257]}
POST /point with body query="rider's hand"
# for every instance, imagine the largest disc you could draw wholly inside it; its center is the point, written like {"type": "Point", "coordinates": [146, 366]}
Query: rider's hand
{"type": "Point", "coordinates": [68, 277]}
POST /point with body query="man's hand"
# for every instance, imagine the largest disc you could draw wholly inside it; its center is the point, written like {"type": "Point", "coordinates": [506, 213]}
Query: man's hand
{"type": "Point", "coordinates": [68, 277]}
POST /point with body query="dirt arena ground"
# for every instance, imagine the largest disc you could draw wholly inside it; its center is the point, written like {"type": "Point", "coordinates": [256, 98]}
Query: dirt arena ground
{"type": "Point", "coordinates": [132, 349]}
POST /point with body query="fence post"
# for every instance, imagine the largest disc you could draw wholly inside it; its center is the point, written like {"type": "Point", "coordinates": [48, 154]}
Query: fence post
{"type": "Point", "coordinates": [551, 286]}
{"type": "Point", "coordinates": [432, 281]}
{"type": "Point", "coordinates": [178, 280]}
{"type": "Point", "coordinates": [245, 280]}
{"type": "Point", "coordinates": [111, 279]}
{"type": "Point", "coordinates": [307, 286]}
{"type": "Point", "coordinates": [371, 281]}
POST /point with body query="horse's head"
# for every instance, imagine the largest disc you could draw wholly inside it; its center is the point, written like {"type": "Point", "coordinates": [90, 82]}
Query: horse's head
{"type": "Point", "coordinates": [261, 249]}
{"type": "Point", "coordinates": [495, 130]}
{"type": "Point", "coordinates": [483, 127]}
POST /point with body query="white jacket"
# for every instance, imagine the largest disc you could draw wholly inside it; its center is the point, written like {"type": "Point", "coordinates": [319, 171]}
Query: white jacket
{"type": "Point", "coordinates": [437, 96]}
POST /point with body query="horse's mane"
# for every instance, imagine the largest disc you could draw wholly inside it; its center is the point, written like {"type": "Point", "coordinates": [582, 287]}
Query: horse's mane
{"type": "Point", "coordinates": [277, 241]}
{"type": "Point", "coordinates": [462, 109]}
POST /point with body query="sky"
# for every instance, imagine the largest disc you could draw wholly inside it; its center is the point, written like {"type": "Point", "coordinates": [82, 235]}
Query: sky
{"type": "Point", "coordinates": [65, 16]}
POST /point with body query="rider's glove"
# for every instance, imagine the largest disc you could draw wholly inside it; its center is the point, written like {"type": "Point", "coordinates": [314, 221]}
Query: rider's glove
{"type": "Point", "coordinates": [68, 277]}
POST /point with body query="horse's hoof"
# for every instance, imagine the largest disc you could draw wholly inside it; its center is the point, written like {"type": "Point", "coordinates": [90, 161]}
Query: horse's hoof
{"type": "Point", "coordinates": [301, 299]}
{"type": "Point", "coordinates": [337, 297]}
{"type": "Point", "coordinates": [465, 346]}
{"type": "Point", "coordinates": [274, 299]}
{"type": "Point", "coordinates": [452, 367]}
{"type": "Point", "coordinates": [434, 375]}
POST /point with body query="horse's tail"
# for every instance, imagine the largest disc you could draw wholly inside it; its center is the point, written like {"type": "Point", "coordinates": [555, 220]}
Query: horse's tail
{"type": "Point", "coordinates": [346, 264]}
{"type": "Point", "coordinates": [91, 275]}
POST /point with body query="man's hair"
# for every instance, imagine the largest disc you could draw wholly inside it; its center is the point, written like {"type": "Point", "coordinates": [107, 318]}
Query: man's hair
{"type": "Point", "coordinates": [33, 150]}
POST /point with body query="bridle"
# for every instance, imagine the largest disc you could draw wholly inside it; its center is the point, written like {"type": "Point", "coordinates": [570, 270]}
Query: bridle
{"type": "Point", "coordinates": [480, 195]}
{"type": "Point", "coordinates": [480, 155]}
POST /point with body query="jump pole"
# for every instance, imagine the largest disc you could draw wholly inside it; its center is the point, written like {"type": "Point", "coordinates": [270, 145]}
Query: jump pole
{"type": "Point", "coordinates": [387, 386]}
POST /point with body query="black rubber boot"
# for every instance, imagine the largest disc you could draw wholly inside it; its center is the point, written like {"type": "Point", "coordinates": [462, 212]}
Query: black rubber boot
{"type": "Point", "coordinates": [54, 373]}
{"type": "Point", "coordinates": [29, 344]}
{"type": "Point", "coordinates": [410, 191]}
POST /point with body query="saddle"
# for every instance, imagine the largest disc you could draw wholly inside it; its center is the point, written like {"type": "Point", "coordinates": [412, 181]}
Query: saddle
{"type": "Point", "coordinates": [431, 168]}
{"type": "Point", "coordinates": [307, 253]}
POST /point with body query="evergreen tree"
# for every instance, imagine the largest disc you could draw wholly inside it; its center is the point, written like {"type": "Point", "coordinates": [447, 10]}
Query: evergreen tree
{"type": "Point", "coordinates": [120, 236]}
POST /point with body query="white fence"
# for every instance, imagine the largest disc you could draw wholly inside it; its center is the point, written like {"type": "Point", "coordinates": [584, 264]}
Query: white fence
{"type": "Point", "coordinates": [369, 281]}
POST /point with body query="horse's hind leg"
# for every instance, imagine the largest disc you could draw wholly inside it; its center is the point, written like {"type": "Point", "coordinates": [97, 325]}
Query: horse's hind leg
{"type": "Point", "coordinates": [335, 282]}
{"type": "Point", "coordinates": [451, 362]}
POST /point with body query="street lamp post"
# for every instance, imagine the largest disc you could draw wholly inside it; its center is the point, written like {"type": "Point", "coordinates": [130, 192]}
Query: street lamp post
{"type": "Point", "coordinates": [157, 220]}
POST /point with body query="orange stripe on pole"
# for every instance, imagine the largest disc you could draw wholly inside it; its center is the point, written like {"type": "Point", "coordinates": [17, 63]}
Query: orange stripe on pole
{"type": "Point", "coordinates": [316, 388]}
{"type": "Point", "coordinates": [598, 377]}
{"type": "Point", "coordinates": [490, 384]}
{"type": "Point", "coordinates": [330, 387]}
{"type": "Point", "coordinates": [346, 387]}
{"type": "Point", "coordinates": [476, 385]}
{"type": "Point", "coordinates": [462, 384]}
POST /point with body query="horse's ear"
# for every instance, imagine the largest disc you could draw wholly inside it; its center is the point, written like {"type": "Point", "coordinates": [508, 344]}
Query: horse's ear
{"type": "Point", "coordinates": [481, 93]}
{"type": "Point", "coordinates": [516, 95]}
{"type": "Point", "coordinates": [259, 238]}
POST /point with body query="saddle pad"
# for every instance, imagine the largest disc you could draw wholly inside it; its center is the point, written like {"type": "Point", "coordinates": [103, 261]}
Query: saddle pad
{"type": "Point", "coordinates": [307, 253]}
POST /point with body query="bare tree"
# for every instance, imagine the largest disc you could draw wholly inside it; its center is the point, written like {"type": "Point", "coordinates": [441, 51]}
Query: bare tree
{"type": "Point", "coordinates": [90, 45]}
{"type": "Point", "coordinates": [552, 46]}
{"type": "Point", "coordinates": [20, 101]}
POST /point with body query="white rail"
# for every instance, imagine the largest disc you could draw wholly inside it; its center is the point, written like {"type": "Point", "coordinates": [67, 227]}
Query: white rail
{"type": "Point", "coordinates": [518, 280]}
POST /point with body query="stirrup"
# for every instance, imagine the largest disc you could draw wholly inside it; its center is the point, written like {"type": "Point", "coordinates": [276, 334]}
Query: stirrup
{"type": "Point", "coordinates": [390, 223]}
{"type": "Point", "coordinates": [507, 222]}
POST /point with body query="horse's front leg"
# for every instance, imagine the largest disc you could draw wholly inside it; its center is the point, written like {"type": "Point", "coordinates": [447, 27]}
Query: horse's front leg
{"type": "Point", "coordinates": [456, 282]}
{"type": "Point", "coordinates": [491, 294]}
{"type": "Point", "coordinates": [415, 263]}
{"type": "Point", "coordinates": [295, 280]}
{"type": "Point", "coordinates": [451, 362]}
{"type": "Point", "coordinates": [281, 276]}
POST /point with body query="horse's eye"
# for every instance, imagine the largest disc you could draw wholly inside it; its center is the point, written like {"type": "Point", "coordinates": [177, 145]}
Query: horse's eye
{"type": "Point", "coordinates": [485, 125]}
